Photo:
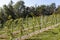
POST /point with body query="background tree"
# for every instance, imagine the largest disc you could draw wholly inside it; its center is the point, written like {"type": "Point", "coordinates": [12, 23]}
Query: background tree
{"type": "Point", "coordinates": [58, 10]}
{"type": "Point", "coordinates": [52, 7]}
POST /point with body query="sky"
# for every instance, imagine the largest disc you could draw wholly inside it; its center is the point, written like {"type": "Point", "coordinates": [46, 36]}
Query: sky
{"type": "Point", "coordinates": [32, 2]}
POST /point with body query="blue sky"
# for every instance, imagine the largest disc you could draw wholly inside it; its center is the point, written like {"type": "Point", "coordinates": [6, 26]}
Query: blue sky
{"type": "Point", "coordinates": [32, 2]}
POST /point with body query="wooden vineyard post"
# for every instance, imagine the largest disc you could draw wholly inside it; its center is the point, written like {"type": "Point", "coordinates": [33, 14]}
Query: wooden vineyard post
{"type": "Point", "coordinates": [41, 22]}
{"type": "Point", "coordinates": [33, 24]}
{"type": "Point", "coordinates": [56, 19]}
{"type": "Point", "coordinates": [22, 27]}
{"type": "Point", "coordinates": [27, 24]}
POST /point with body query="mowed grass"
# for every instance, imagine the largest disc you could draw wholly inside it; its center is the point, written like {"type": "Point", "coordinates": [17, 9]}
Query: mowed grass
{"type": "Point", "coordinates": [33, 24]}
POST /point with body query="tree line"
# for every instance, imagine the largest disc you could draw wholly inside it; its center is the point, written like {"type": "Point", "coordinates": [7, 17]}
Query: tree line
{"type": "Point", "coordinates": [18, 10]}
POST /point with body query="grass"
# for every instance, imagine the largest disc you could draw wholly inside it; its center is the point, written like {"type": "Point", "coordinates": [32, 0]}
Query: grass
{"type": "Point", "coordinates": [53, 34]}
